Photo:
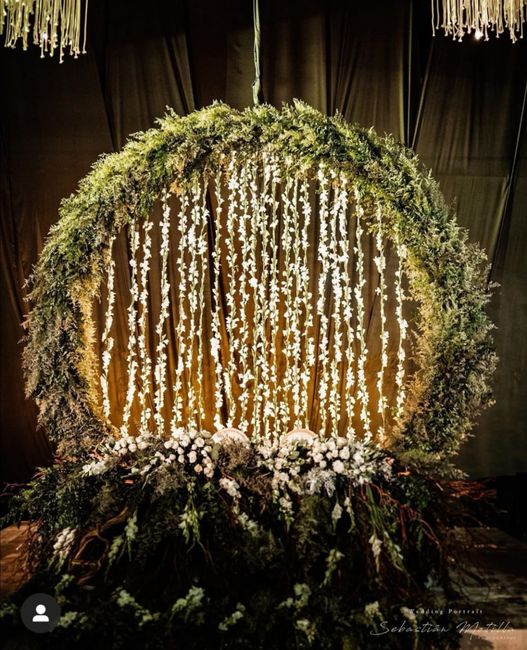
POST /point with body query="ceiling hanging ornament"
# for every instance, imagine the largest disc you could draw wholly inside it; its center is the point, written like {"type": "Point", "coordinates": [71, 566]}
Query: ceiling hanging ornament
{"type": "Point", "coordinates": [479, 17]}
{"type": "Point", "coordinates": [54, 25]}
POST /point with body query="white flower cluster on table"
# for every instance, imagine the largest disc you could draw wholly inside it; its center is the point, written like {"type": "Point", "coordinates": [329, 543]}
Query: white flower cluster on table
{"type": "Point", "coordinates": [310, 465]}
{"type": "Point", "coordinates": [190, 448]}
{"type": "Point", "coordinates": [298, 463]}
{"type": "Point", "coordinates": [184, 447]}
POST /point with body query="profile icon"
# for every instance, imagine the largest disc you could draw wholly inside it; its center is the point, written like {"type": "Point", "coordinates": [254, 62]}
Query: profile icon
{"type": "Point", "coordinates": [40, 613]}
{"type": "Point", "coordinates": [40, 616]}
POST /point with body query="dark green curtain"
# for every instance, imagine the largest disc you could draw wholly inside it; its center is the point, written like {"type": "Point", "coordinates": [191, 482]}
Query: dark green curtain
{"type": "Point", "coordinates": [461, 106]}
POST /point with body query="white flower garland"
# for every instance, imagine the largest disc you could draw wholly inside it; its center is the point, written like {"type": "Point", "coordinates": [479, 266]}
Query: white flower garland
{"type": "Point", "coordinates": [203, 253]}
{"type": "Point", "coordinates": [181, 327]}
{"type": "Point", "coordinates": [286, 290]}
{"type": "Point", "coordinates": [145, 362]}
{"type": "Point", "coordinates": [380, 263]}
{"type": "Point", "coordinates": [323, 258]}
{"type": "Point", "coordinates": [337, 300]}
{"type": "Point", "coordinates": [308, 342]}
{"type": "Point", "coordinates": [347, 313]}
{"type": "Point", "coordinates": [194, 243]}
{"type": "Point", "coordinates": [162, 339]}
{"type": "Point", "coordinates": [297, 307]}
{"type": "Point", "coordinates": [131, 359]}
{"type": "Point", "coordinates": [403, 327]}
{"type": "Point", "coordinates": [259, 283]}
{"type": "Point", "coordinates": [215, 343]}
{"type": "Point", "coordinates": [247, 281]}
{"type": "Point", "coordinates": [232, 319]}
{"type": "Point", "coordinates": [363, 395]}
{"type": "Point", "coordinates": [271, 408]}
{"type": "Point", "coordinates": [106, 338]}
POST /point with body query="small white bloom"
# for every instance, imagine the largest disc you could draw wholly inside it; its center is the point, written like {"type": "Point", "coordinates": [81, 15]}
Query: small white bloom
{"type": "Point", "coordinates": [337, 513]}
{"type": "Point", "coordinates": [338, 467]}
{"type": "Point", "coordinates": [230, 486]}
{"type": "Point", "coordinates": [408, 613]}
{"type": "Point", "coordinates": [358, 457]}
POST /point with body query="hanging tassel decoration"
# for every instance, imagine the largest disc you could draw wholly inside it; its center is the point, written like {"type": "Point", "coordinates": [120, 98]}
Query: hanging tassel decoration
{"type": "Point", "coordinates": [53, 24]}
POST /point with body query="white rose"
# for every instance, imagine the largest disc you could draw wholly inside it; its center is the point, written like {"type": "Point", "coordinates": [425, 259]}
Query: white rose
{"type": "Point", "coordinates": [338, 467]}
{"type": "Point", "coordinates": [358, 458]}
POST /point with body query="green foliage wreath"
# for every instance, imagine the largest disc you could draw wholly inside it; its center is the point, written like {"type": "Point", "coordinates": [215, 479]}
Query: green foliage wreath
{"type": "Point", "coordinates": [307, 544]}
{"type": "Point", "coordinates": [447, 275]}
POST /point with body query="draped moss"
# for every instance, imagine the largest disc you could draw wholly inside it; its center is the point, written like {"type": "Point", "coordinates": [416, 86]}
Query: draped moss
{"type": "Point", "coordinates": [447, 275]}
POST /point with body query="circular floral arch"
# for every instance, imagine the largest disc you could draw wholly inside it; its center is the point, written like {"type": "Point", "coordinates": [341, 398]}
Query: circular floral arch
{"type": "Point", "coordinates": [447, 275]}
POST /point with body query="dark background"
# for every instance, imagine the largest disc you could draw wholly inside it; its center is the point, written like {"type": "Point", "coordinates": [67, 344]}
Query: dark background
{"type": "Point", "coordinates": [462, 107]}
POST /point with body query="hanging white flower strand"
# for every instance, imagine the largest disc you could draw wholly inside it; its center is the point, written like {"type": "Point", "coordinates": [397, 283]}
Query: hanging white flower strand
{"type": "Point", "coordinates": [308, 342]}
{"type": "Point", "coordinates": [323, 258]}
{"type": "Point", "coordinates": [245, 287]}
{"type": "Point", "coordinates": [361, 332]}
{"type": "Point", "coordinates": [380, 263]}
{"type": "Point", "coordinates": [142, 339]}
{"type": "Point", "coordinates": [297, 302]}
{"type": "Point", "coordinates": [131, 359]}
{"type": "Point", "coordinates": [345, 260]}
{"type": "Point", "coordinates": [203, 255]}
{"type": "Point", "coordinates": [162, 339]}
{"type": "Point", "coordinates": [215, 343]}
{"type": "Point", "coordinates": [195, 246]}
{"type": "Point", "coordinates": [336, 315]}
{"type": "Point", "coordinates": [286, 289]}
{"type": "Point", "coordinates": [181, 326]}
{"type": "Point", "coordinates": [271, 408]}
{"type": "Point", "coordinates": [232, 319]}
{"type": "Point", "coordinates": [259, 263]}
{"type": "Point", "coordinates": [106, 338]}
{"type": "Point", "coordinates": [403, 326]}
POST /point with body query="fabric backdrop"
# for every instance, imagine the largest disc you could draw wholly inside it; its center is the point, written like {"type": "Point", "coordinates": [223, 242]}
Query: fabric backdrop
{"type": "Point", "coordinates": [462, 107]}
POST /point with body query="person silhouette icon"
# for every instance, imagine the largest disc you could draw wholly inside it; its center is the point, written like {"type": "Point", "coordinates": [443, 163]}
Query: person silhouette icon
{"type": "Point", "coordinates": [40, 616]}
{"type": "Point", "coordinates": [40, 613]}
